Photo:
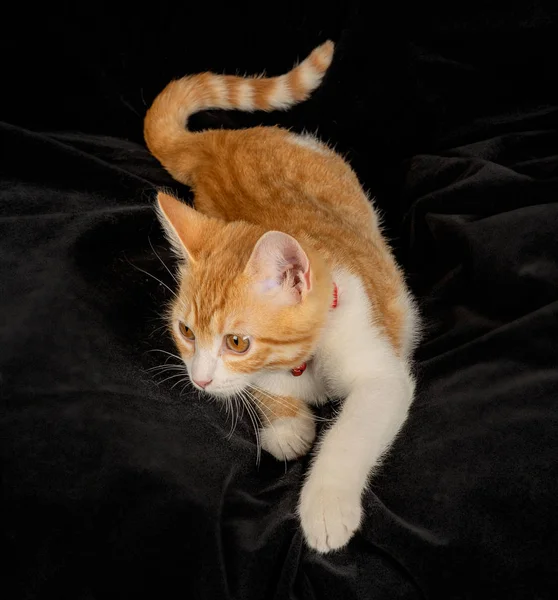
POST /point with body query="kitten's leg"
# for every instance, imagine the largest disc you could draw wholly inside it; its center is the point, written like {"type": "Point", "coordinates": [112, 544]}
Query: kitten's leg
{"type": "Point", "coordinates": [374, 411]}
{"type": "Point", "coordinates": [288, 425]}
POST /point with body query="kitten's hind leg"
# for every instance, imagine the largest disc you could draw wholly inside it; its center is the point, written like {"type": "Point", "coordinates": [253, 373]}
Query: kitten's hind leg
{"type": "Point", "coordinates": [289, 429]}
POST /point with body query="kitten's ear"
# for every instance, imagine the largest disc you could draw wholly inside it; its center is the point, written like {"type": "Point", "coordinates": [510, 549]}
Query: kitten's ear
{"type": "Point", "coordinates": [280, 267]}
{"type": "Point", "coordinates": [183, 225]}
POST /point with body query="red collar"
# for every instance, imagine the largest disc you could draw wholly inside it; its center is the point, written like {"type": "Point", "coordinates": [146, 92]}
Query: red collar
{"type": "Point", "coordinates": [298, 371]}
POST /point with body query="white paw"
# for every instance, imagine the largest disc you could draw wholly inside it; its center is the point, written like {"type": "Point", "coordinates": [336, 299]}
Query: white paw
{"type": "Point", "coordinates": [288, 438]}
{"type": "Point", "coordinates": [329, 514]}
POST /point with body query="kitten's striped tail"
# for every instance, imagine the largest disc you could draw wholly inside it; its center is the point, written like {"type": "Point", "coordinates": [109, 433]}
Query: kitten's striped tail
{"type": "Point", "coordinates": [166, 121]}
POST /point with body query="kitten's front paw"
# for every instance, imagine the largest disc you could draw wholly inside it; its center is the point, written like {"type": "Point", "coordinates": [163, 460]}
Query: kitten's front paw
{"type": "Point", "coordinates": [329, 514]}
{"type": "Point", "coordinates": [288, 438]}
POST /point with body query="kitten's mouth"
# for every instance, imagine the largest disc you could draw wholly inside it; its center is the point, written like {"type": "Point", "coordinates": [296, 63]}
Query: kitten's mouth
{"type": "Point", "coordinates": [199, 387]}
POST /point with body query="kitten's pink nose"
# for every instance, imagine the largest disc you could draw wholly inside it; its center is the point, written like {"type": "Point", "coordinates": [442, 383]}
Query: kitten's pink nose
{"type": "Point", "coordinates": [204, 383]}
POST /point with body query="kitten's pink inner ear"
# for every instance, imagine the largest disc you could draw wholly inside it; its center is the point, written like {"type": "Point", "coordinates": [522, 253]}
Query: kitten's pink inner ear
{"type": "Point", "coordinates": [280, 266]}
{"type": "Point", "coordinates": [183, 225]}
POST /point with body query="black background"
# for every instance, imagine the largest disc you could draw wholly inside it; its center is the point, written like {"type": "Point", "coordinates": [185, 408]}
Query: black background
{"type": "Point", "coordinates": [117, 485]}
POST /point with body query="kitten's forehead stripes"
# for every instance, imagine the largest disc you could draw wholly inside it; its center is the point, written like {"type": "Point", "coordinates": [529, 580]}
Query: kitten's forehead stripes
{"type": "Point", "coordinates": [207, 312]}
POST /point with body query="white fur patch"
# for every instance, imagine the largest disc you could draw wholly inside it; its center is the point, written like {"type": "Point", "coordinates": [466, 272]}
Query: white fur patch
{"type": "Point", "coordinates": [309, 77]}
{"type": "Point", "coordinates": [306, 140]}
{"type": "Point", "coordinates": [220, 91]}
{"type": "Point", "coordinates": [282, 383]}
{"type": "Point", "coordinates": [287, 438]}
{"type": "Point", "coordinates": [281, 97]}
{"type": "Point", "coordinates": [330, 514]}
{"type": "Point", "coordinates": [411, 328]}
{"type": "Point", "coordinates": [246, 96]}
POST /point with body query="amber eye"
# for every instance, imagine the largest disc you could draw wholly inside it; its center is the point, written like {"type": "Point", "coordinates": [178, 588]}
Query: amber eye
{"type": "Point", "coordinates": [237, 343]}
{"type": "Point", "coordinates": [186, 332]}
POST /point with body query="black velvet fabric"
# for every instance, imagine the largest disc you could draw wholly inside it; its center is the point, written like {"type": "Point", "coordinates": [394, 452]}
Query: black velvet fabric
{"type": "Point", "coordinates": [118, 483]}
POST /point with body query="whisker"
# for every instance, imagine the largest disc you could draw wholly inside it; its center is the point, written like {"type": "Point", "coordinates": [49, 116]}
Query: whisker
{"type": "Point", "coordinates": [186, 379]}
{"type": "Point", "coordinates": [164, 368]}
{"type": "Point", "coordinates": [153, 277]}
{"type": "Point", "coordinates": [258, 417]}
{"type": "Point", "coordinates": [172, 377]}
{"type": "Point", "coordinates": [234, 416]}
{"type": "Point", "coordinates": [277, 400]}
{"type": "Point", "coordinates": [164, 326]}
{"type": "Point", "coordinates": [270, 423]}
{"type": "Point", "coordinates": [165, 352]}
{"type": "Point", "coordinates": [161, 261]}
{"type": "Point", "coordinates": [254, 419]}
{"type": "Point", "coordinates": [157, 316]}
{"type": "Point", "coordinates": [228, 411]}
{"type": "Point", "coordinates": [239, 413]}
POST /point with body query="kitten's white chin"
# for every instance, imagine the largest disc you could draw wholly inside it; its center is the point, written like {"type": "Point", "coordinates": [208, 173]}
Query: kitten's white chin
{"type": "Point", "coordinates": [223, 392]}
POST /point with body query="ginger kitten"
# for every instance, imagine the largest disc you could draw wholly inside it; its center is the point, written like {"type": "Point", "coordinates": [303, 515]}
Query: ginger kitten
{"type": "Point", "coordinates": [288, 291]}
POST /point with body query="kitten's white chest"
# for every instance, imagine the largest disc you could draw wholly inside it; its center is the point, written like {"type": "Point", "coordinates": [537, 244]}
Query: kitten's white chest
{"type": "Point", "coordinates": [307, 387]}
{"type": "Point", "coordinates": [349, 340]}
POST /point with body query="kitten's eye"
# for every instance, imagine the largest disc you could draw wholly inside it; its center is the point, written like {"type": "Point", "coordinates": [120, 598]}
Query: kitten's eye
{"type": "Point", "coordinates": [237, 344]}
{"type": "Point", "coordinates": [186, 332]}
